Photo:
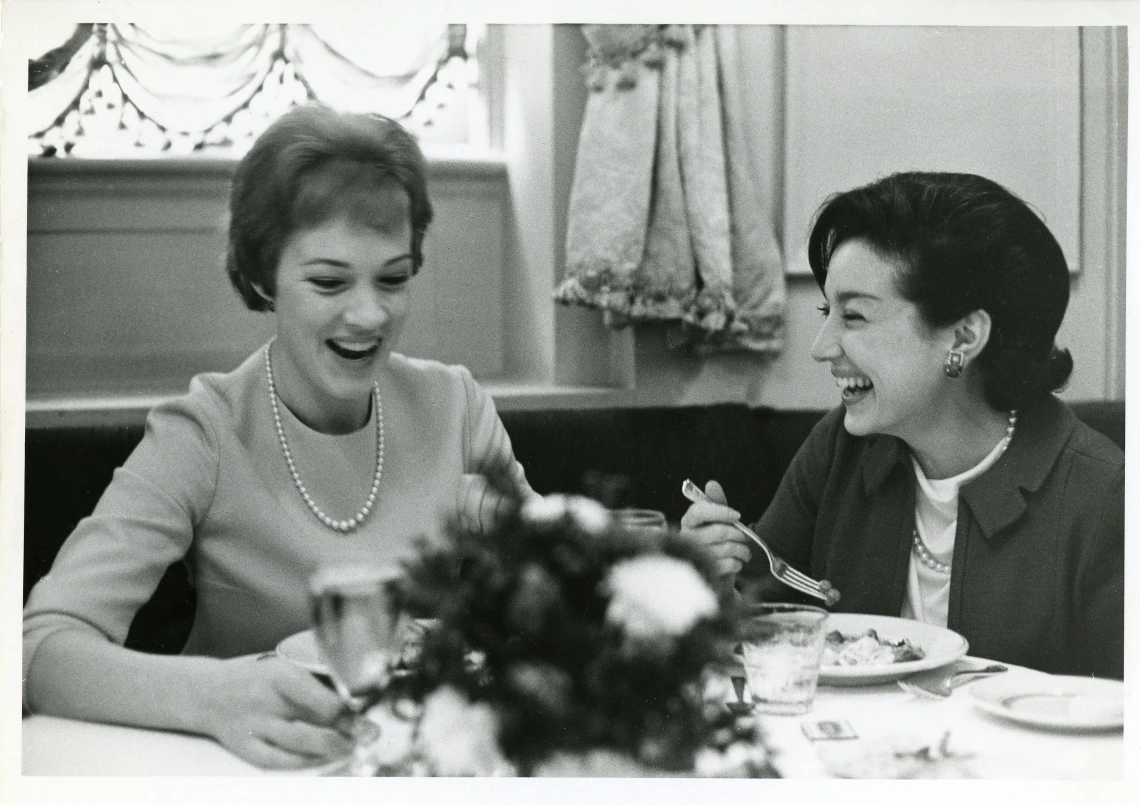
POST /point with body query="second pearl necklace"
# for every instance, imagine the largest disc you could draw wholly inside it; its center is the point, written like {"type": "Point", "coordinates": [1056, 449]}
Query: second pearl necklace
{"type": "Point", "coordinates": [924, 554]}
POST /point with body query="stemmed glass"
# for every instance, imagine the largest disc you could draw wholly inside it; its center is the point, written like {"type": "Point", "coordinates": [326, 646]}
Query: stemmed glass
{"type": "Point", "coordinates": [357, 629]}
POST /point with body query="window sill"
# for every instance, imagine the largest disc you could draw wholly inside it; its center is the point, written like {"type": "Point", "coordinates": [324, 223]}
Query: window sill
{"type": "Point", "coordinates": [444, 161]}
{"type": "Point", "coordinates": [131, 409]}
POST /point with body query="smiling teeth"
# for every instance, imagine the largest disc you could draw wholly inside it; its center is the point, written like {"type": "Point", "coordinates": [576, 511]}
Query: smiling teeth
{"type": "Point", "coordinates": [353, 350]}
{"type": "Point", "coordinates": [853, 383]}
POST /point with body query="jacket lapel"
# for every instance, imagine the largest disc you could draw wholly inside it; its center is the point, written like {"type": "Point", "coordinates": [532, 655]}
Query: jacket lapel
{"type": "Point", "coordinates": [894, 507]}
{"type": "Point", "coordinates": [996, 497]}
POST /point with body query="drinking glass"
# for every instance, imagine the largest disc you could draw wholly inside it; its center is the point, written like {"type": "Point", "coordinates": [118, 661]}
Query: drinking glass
{"type": "Point", "coordinates": [782, 646]}
{"type": "Point", "coordinates": [357, 629]}
{"type": "Point", "coordinates": [636, 519]}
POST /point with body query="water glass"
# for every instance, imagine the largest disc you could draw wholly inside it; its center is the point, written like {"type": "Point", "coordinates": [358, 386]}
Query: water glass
{"type": "Point", "coordinates": [640, 519]}
{"type": "Point", "coordinates": [782, 646]}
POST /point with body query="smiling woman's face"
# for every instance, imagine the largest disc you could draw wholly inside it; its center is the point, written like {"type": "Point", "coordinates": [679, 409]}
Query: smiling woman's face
{"type": "Point", "coordinates": [886, 362]}
{"type": "Point", "coordinates": [342, 299]}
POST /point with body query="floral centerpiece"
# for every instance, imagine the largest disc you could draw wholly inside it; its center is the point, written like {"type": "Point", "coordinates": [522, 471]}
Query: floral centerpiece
{"type": "Point", "coordinates": [565, 644]}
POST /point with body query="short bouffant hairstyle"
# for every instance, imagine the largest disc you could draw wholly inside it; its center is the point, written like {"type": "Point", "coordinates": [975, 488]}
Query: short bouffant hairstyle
{"type": "Point", "coordinates": [310, 166]}
{"type": "Point", "coordinates": [962, 243]}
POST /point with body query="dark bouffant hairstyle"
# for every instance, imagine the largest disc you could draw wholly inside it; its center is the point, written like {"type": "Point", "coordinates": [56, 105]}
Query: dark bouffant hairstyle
{"type": "Point", "coordinates": [310, 166]}
{"type": "Point", "coordinates": [963, 243]}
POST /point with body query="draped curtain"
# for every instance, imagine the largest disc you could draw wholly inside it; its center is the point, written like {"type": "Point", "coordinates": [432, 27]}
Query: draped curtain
{"type": "Point", "coordinates": [669, 216]}
{"type": "Point", "coordinates": [190, 80]}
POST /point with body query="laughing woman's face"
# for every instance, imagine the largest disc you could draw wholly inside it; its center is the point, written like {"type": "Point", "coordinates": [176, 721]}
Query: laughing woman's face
{"type": "Point", "coordinates": [342, 299]}
{"type": "Point", "coordinates": [887, 364]}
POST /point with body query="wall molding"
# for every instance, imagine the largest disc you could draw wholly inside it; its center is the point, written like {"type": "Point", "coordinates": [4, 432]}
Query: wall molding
{"type": "Point", "coordinates": [1104, 187]}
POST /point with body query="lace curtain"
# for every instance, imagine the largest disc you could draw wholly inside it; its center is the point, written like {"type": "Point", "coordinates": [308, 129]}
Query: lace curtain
{"type": "Point", "coordinates": [110, 89]}
{"type": "Point", "coordinates": [668, 218]}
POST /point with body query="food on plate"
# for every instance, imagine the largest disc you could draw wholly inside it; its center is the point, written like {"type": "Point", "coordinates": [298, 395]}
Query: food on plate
{"type": "Point", "coordinates": [867, 649]}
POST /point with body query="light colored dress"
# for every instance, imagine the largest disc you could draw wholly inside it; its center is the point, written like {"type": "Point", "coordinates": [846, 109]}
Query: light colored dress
{"type": "Point", "coordinates": [208, 485]}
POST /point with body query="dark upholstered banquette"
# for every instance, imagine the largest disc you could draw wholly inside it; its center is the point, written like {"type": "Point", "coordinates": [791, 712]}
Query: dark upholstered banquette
{"type": "Point", "coordinates": [622, 456]}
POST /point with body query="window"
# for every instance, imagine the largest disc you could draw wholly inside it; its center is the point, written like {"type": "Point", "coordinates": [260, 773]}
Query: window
{"type": "Point", "coordinates": [119, 227]}
{"type": "Point", "coordinates": [105, 90]}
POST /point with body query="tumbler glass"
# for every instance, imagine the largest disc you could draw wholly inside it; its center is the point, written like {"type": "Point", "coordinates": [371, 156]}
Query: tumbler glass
{"type": "Point", "coordinates": [782, 646]}
{"type": "Point", "coordinates": [637, 519]}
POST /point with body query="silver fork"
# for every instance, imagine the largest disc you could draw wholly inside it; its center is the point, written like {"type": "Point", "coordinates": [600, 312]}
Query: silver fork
{"type": "Point", "coordinates": [780, 569]}
{"type": "Point", "coordinates": [939, 683]}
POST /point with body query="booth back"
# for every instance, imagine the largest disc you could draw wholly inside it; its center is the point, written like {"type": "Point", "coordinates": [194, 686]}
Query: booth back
{"type": "Point", "coordinates": [621, 456]}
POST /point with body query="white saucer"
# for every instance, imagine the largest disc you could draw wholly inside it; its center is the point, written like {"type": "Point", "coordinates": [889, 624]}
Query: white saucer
{"type": "Point", "coordinates": [303, 650]}
{"type": "Point", "coordinates": [1053, 702]}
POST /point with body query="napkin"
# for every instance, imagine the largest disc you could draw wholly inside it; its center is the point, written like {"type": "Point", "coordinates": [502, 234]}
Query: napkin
{"type": "Point", "coordinates": [897, 757]}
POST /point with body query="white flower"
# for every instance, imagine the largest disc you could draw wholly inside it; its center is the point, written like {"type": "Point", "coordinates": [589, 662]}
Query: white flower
{"type": "Point", "coordinates": [395, 741]}
{"type": "Point", "coordinates": [544, 509]}
{"type": "Point", "coordinates": [657, 596]}
{"type": "Point", "coordinates": [738, 760]}
{"type": "Point", "coordinates": [459, 738]}
{"type": "Point", "coordinates": [594, 763]}
{"type": "Point", "coordinates": [717, 688]}
{"type": "Point", "coordinates": [589, 515]}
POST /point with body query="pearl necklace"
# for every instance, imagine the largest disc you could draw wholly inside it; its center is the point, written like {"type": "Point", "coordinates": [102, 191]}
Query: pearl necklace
{"type": "Point", "coordinates": [920, 550]}
{"type": "Point", "coordinates": [336, 525]}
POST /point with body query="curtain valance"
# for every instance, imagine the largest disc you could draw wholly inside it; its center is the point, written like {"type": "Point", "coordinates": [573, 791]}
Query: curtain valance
{"type": "Point", "coordinates": [192, 82]}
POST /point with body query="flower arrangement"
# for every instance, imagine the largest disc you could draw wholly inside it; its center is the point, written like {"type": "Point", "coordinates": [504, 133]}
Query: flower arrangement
{"type": "Point", "coordinates": [566, 644]}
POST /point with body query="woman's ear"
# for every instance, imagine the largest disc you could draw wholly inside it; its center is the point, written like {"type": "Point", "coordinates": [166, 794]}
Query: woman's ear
{"type": "Point", "coordinates": [972, 333]}
{"type": "Point", "coordinates": [261, 292]}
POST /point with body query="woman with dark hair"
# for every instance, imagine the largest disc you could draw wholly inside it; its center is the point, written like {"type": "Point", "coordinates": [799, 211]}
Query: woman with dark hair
{"type": "Point", "coordinates": [323, 446]}
{"type": "Point", "coordinates": [950, 486]}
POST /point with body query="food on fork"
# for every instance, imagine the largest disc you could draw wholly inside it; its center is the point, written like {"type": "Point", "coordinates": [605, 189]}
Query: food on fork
{"type": "Point", "coordinates": [867, 649]}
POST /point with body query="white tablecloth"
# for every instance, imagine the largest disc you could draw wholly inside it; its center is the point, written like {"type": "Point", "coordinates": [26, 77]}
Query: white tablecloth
{"type": "Point", "coordinates": [996, 748]}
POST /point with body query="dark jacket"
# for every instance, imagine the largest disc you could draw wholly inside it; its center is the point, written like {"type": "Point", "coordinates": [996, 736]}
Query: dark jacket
{"type": "Point", "coordinates": [1038, 568]}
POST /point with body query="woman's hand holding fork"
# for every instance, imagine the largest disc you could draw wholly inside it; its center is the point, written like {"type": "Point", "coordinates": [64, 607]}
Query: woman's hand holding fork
{"type": "Point", "coordinates": [710, 523]}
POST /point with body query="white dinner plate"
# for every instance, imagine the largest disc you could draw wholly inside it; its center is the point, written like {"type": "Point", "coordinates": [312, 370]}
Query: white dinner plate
{"type": "Point", "coordinates": [303, 651]}
{"type": "Point", "coordinates": [1053, 702]}
{"type": "Point", "coordinates": [941, 646]}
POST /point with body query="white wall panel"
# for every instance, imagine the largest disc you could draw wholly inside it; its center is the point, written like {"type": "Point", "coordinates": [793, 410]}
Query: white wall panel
{"type": "Point", "coordinates": [127, 293]}
{"type": "Point", "coordinates": [863, 102]}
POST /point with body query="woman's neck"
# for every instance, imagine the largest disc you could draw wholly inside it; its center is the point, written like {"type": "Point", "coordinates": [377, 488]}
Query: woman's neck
{"type": "Point", "coordinates": [334, 421]}
{"type": "Point", "coordinates": [959, 441]}
{"type": "Point", "coordinates": [324, 415]}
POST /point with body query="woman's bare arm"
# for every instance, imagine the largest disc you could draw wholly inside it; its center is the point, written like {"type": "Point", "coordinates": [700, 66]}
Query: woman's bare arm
{"type": "Point", "coordinates": [263, 710]}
